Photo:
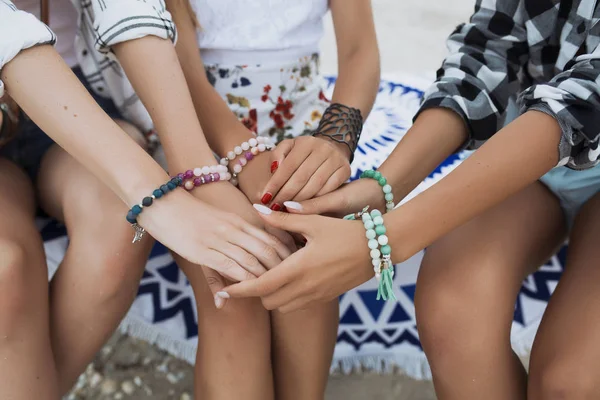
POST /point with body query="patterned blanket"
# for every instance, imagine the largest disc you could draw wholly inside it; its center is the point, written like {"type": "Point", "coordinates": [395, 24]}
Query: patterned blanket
{"type": "Point", "coordinates": [372, 334]}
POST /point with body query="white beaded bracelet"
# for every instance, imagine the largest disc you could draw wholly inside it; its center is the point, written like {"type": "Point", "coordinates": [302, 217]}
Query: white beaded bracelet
{"type": "Point", "coordinates": [249, 149]}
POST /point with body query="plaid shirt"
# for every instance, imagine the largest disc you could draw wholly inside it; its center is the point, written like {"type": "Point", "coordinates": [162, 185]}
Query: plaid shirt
{"type": "Point", "coordinates": [544, 54]}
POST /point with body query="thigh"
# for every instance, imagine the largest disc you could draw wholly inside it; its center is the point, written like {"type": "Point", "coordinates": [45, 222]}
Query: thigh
{"type": "Point", "coordinates": [479, 266]}
{"type": "Point", "coordinates": [566, 349]}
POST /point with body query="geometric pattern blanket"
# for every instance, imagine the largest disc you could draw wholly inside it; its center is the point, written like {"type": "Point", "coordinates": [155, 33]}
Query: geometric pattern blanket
{"type": "Point", "coordinates": [372, 334]}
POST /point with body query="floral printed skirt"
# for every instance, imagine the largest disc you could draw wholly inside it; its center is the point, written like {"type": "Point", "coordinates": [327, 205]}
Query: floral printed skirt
{"type": "Point", "coordinates": [280, 101]}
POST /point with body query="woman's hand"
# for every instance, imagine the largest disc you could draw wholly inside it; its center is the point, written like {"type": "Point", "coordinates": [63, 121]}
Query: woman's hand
{"type": "Point", "coordinates": [335, 259]}
{"type": "Point", "coordinates": [350, 198]}
{"type": "Point", "coordinates": [205, 235]}
{"type": "Point", "coordinates": [303, 168]}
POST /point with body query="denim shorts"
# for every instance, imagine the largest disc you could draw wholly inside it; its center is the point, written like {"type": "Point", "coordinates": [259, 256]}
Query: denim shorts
{"type": "Point", "coordinates": [572, 188]}
{"type": "Point", "coordinates": [31, 144]}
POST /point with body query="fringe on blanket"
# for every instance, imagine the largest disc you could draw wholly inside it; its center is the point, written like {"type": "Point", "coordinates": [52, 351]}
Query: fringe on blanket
{"type": "Point", "coordinates": [139, 329]}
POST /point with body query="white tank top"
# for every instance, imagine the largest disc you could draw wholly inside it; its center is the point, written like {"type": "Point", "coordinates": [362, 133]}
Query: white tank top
{"type": "Point", "coordinates": [63, 22]}
{"type": "Point", "coordinates": [248, 31]}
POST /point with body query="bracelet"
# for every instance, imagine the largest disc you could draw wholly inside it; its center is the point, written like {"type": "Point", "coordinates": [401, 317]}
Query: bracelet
{"type": "Point", "coordinates": [380, 253]}
{"type": "Point", "coordinates": [342, 124]}
{"type": "Point", "coordinates": [387, 189]}
{"type": "Point", "coordinates": [147, 202]}
{"type": "Point", "coordinates": [199, 176]}
{"type": "Point", "coordinates": [249, 149]}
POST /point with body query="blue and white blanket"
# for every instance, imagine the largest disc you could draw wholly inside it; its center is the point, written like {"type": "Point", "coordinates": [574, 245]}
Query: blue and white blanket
{"type": "Point", "coordinates": [372, 334]}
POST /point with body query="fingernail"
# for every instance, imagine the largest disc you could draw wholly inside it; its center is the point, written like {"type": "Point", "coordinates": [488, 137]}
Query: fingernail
{"type": "Point", "coordinates": [263, 210]}
{"type": "Point", "coordinates": [223, 295]}
{"type": "Point", "coordinates": [219, 302]}
{"type": "Point", "coordinates": [274, 166]}
{"type": "Point", "coordinates": [276, 207]}
{"type": "Point", "coordinates": [293, 205]}
{"type": "Point", "coordinates": [267, 197]}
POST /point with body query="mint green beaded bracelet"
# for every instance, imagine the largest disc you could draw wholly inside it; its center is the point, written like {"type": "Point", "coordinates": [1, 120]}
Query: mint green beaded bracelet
{"type": "Point", "coordinates": [387, 189]}
{"type": "Point", "coordinates": [380, 252]}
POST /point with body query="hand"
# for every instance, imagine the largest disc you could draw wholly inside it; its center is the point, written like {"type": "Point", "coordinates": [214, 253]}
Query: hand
{"type": "Point", "coordinates": [350, 198]}
{"type": "Point", "coordinates": [335, 259]}
{"type": "Point", "coordinates": [207, 236]}
{"type": "Point", "coordinates": [303, 168]}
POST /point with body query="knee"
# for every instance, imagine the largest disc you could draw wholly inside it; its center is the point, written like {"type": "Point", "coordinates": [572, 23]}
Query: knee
{"type": "Point", "coordinates": [13, 282]}
{"type": "Point", "coordinates": [562, 379]}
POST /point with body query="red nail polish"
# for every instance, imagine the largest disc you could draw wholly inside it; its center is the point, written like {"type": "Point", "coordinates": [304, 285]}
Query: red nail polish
{"type": "Point", "coordinates": [274, 166]}
{"type": "Point", "coordinates": [276, 207]}
{"type": "Point", "coordinates": [267, 197]}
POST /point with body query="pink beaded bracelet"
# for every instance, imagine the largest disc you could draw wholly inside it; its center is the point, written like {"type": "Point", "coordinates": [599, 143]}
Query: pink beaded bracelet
{"type": "Point", "coordinates": [200, 176]}
{"type": "Point", "coordinates": [249, 149]}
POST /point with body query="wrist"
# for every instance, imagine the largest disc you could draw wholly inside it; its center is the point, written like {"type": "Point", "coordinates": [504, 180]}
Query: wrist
{"type": "Point", "coordinates": [234, 137]}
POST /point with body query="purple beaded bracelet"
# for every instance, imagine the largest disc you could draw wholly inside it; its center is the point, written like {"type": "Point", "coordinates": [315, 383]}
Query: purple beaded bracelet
{"type": "Point", "coordinates": [200, 176]}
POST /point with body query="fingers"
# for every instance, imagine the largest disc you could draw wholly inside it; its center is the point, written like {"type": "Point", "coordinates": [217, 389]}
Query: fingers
{"type": "Point", "coordinates": [227, 267]}
{"type": "Point", "coordinates": [331, 202]}
{"type": "Point", "coordinates": [300, 177]}
{"type": "Point", "coordinates": [268, 282]}
{"type": "Point", "coordinates": [284, 172]}
{"type": "Point", "coordinates": [215, 283]}
{"type": "Point", "coordinates": [287, 222]}
{"type": "Point", "coordinates": [318, 179]}
{"type": "Point", "coordinates": [244, 256]}
{"type": "Point", "coordinates": [283, 236]}
{"type": "Point", "coordinates": [280, 152]}
{"type": "Point", "coordinates": [336, 180]}
{"type": "Point", "coordinates": [270, 244]}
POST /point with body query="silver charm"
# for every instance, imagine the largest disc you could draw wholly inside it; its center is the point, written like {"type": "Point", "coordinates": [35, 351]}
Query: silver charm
{"type": "Point", "coordinates": [139, 233]}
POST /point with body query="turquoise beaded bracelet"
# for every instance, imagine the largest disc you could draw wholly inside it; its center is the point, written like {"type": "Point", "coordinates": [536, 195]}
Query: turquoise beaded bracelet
{"type": "Point", "coordinates": [137, 209]}
{"type": "Point", "coordinates": [387, 189]}
{"type": "Point", "coordinates": [380, 252]}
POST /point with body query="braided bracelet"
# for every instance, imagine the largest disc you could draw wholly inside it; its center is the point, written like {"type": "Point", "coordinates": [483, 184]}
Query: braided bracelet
{"type": "Point", "coordinates": [147, 202]}
{"type": "Point", "coordinates": [380, 253]}
{"type": "Point", "coordinates": [200, 176]}
{"type": "Point", "coordinates": [342, 124]}
{"type": "Point", "coordinates": [387, 189]}
{"type": "Point", "coordinates": [249, 149]}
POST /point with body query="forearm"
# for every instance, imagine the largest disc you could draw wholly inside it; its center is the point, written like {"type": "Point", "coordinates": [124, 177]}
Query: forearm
{"type": "Point", "coordinates": [514, 158]}
{"type": "Point", "coordinates": [43, 85]}
{"type": "Point", "coordinates": [152, 67]}
{"type": "Point", "coordinates": [222, 129]}
{"type": "Point", "coordinates": [436, 134]}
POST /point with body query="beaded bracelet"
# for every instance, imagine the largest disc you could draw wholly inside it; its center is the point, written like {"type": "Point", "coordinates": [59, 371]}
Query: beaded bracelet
{"type": "Point", "coordinates": [380, 253]}
{"type": "Point", "coordinates": [200, 176]}
{"type": "Point", "coordinates": [147, 202]}
{"type": "Point", "coordinates": [250, 149]}
{"type": "Point", "coordinates": [387, 189]}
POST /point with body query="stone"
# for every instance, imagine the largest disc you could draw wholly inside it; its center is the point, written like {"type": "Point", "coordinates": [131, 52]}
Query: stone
{"type": "Point", "coordinates": [128, 387]}
{"type": "Point", "coordinates": [108, 387]}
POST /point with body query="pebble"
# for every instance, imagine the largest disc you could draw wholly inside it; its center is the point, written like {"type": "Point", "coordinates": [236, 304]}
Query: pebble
{"type": "Point", "coordinates": [185, 396]}
{"type": "Point", "coordinates": [138, 381]}
{"type": "Point", "coordinates": [119, 395]}
{"type": "Point", "coordinates": [95, 379]}
{"type": "Point", "coordinates": [108, 386]}
{"type": "Point", "coordinates": [172, 378]}
{"type": "Point", "coordinates": [128, 387]}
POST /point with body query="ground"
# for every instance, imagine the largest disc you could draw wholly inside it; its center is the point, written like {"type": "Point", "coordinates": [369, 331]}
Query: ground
{"type": "Point", "coordinates": [130, 369]}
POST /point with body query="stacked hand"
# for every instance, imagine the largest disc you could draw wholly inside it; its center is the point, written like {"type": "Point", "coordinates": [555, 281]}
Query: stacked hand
{"type": "Point", "coordinates": [335, 259]}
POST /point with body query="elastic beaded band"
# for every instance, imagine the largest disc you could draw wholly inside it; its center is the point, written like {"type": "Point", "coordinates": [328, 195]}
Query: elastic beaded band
{"type": "Point", "coordinates": [200, 176]}
{"type": "Point", "coordinates": [249, 149]}
{"type": "Point", "coordinates": [380, 253]}
{"type": "Point", "coordinates": [387, 189]}
{"type": "Point", "coordinates": [137, 209]}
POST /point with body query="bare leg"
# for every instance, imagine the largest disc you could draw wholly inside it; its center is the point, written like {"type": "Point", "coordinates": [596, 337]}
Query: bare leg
{"type": "Point", "coordinates": [99, 276]}
{"type": "Point", "coordinates": [27, 368]}
{"type": "Point", "coordinates": [303, 344]}
{"type": "Point", "coordinates": [564, 358]}
{"type": "Point", "coordinates": [234, 345]}
{"type": "Point", "coordinates": [466, 293]}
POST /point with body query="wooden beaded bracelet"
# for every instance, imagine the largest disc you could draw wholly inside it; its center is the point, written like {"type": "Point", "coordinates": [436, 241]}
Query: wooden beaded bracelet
{"type": "Point", "coordinates": [137, 209]}
{"type": "Point", "coordinates": [249, 149]}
